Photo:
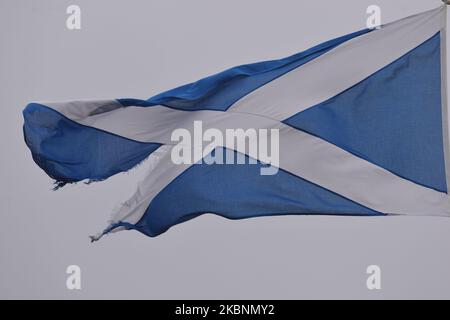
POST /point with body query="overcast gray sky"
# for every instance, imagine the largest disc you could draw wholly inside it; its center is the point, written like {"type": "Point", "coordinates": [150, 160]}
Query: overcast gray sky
{"type": "Point", "coordinates": [137, 49]}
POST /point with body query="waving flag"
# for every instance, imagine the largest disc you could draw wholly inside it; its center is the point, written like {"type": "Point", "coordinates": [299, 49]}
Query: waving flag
{"type": "Point", "coordinates": [362, 122]}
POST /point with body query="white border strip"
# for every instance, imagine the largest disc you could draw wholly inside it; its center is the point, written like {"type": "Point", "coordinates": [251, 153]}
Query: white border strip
{"type": "Point", "coordinates": [444, 96]}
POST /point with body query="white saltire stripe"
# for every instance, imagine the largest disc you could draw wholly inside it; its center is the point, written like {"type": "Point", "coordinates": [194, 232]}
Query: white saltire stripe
{"type": "Point", "coordinates": [340, 68]}
{"type": "Point", "coordinates": [301, 154]}
{"type": "Point", "coordinates": [78, 110]}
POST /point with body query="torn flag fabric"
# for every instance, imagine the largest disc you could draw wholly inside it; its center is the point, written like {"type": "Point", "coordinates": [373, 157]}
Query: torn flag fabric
{"type": "Point", "coordinates": [362, 122]}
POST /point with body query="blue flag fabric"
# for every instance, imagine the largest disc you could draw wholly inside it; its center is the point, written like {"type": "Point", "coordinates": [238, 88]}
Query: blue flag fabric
{"type": "Point", "coordinates": [362, 123]}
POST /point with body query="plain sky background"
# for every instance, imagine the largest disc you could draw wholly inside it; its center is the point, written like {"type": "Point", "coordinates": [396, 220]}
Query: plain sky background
{"type": "Point", "coordinates": [137, 49]}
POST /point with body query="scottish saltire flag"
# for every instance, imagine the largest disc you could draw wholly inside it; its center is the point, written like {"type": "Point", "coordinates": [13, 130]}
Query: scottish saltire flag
{"type": "Point", "coordinates": [363, 130]}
